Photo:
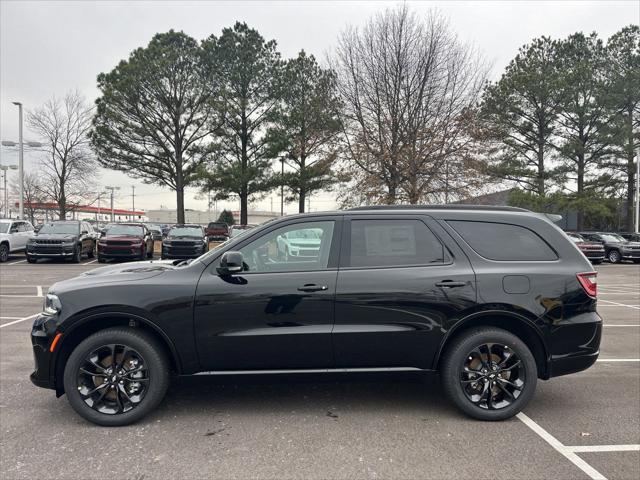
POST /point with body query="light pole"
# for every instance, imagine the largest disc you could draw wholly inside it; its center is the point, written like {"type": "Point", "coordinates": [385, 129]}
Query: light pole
{"type": "Point", "coordinates": [20, 160]}
{"type": "Point", "coordinates": [638, 191]}
{"type": "Point", "coordinates": [4, 169]}
{"type": "Point", "coordinates": [282, 188]}
{"type": "Point", "coordinates": [113, 217]}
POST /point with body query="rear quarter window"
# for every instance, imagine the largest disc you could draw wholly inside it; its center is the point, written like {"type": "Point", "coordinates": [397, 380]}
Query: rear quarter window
{"type": "Point", "coordinates": [503, 241]}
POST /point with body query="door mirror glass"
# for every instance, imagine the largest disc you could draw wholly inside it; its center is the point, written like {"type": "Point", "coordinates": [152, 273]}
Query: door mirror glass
{"type": "Point", "coordinates": [230, 263]}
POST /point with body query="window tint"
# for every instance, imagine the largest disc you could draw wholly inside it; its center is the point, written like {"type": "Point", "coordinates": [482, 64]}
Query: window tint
{"type": "Point", "coordinates": [379, 243]}
{"type": "Point", "coordinates": [501, 241]}
{"type": "Point", "coordinates": [298, 247]}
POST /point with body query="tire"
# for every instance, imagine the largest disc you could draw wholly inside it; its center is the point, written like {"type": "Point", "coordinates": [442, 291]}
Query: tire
{"type": "Point", "coordinates": [77, 255]}
{"type": "Point", "coordinates": [150, 251]}
{"type": "Point", "coordinates": [457, 356]}
{"type": "Point", "coordinates": [143, 253]}
{"type": "Point", "coordinates": [101, 259]}
{"type": "Point", "coordinates": [596, 262]}
{"type": "Point", "coordinates": [614, 256]}
{"type": "Point", "coordinates": [153, 358]}
{"type": "Point", "coordinates": [636, 260]}
{"type": "Point", "coordinates": [4, 252]}
{"type": "Point", "coordinates": [31, 259]}
{"type": "Point", "coordinates": [92, 253]}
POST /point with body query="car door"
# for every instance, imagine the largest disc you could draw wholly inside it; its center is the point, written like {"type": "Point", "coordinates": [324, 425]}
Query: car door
{"type": "Point", "coordinates": [26, 232]}
{"type": "Point", "coordinates": [278, 312]}
{"type": "Point", "coordinates": [18, 236]}
{"type": "Point", "coordinates": [401, 284]}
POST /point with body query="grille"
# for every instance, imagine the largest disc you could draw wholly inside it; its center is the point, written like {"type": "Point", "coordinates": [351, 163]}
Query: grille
{"type": "Point", "coordinates": [183, 244]}
{"type": "Point", "coordinates": [48, 242]}
{"type": "Point", "coordinates": [118, 242]}
{"type": "Point", "coordinates": [49, 250]}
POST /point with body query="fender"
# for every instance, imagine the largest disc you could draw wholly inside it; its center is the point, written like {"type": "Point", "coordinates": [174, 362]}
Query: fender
{"type": "Point", "coordinates": [464, 321]}
{"type": "Point", "coordinates": [85, 318]}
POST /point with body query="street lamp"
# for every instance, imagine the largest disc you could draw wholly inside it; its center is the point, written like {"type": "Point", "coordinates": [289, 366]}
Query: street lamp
{"type": "Point", "coordinates": [113, 217]}
{"type": "Point", "coordinates": [4, 169]}
{"type": "Point", "coordinates": [20, 160]}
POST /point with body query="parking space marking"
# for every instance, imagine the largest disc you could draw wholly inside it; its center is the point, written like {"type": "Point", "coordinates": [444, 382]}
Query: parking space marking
{"type": "Point", "coordinates": [605, 448]}
{"type": "Point", "coordinates": [92, 261]}
{"type": "Point", "coordinates": [19, 261]}
{"type": "Point", "coordinates": [39, 290]}
{"type": "Point", "coordinates": [560, 448]}
{"type": "Point", "coordinates": [620, 304]}
{"type": "Point", "coordinates": [10, 318]}
{"type": "Point", "coordinates": [618, 360]}
{"type": "Point", "coordinates": [622, 325]}
{"type": "Point", "coordinates": [19, 320]}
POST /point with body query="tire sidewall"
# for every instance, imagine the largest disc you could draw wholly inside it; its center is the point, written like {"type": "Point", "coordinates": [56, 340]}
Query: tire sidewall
{"type": "Point", "coordinates": [616, 256]}
{"type": "Point", "coordinates": [454, 361]}
{"type": "Point", "coordinates": [4, 253]}
{"type": "Point", "coordinates": [154, 359]}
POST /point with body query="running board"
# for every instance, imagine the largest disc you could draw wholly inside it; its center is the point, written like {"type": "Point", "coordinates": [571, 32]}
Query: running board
{"type": "Point", "coordinates": [311, 370]}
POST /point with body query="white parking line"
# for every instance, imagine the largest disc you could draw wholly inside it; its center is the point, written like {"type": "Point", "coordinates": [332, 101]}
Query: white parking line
{"type": "Point", "coordinates": [620, 304]}
{"type": "Point", "coordinates": [19, 320]}
{"type": "Point", "coordinates": [92, 261]}
{"type": "Point", "coordinates": [10, 318]}
{"type": "Point", "coordinates": [560, 448]}
{"type": "Point", "coordinates": [39, 290]}
{"type": "Point", "coordinates": [19, 296]}
{"type": "Point", "coordinates": [622, 325]}
{"type": "Point", "coordinates": [618, 360]}
{"type": "Point", "coordinates": [605, 448]}
{"type": "Point", "coordinates": [19, 261]}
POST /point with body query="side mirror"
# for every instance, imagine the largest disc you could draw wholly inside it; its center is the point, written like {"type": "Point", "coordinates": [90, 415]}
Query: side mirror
{"type": "Point", "coordinates": [230, 263]}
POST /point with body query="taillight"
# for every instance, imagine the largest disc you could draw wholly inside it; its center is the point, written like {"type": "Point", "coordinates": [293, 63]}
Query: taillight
{"type": "Point", "coordinates": [589, 282]}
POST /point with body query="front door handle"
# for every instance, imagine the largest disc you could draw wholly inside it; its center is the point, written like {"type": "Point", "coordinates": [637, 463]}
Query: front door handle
{"type": "Point", "coordinates": [312, 287]}
{"type": "Point", "coordinates": [450, 284]}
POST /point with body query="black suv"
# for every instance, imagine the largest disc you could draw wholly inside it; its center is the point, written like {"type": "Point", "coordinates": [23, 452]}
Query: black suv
{"type": "Point", "coordinates": [66, 239]}
{"type": "Point", "coordinates": [184, 241]}
{"type": "Point", "coordinates": [492, 298]}
{"type": "Point", "coordinates": [616, 247]}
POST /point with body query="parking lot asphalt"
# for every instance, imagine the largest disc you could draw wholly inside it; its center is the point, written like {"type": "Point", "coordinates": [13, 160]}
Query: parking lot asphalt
{"type": "Point", "coordinates": [580, 426]}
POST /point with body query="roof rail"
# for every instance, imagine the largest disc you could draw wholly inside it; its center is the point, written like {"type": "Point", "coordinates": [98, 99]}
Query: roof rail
{"type": "Point", "coordinates": [442, 207]}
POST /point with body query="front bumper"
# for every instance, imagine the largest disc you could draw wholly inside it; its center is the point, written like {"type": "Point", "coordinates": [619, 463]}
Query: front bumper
{"type": "Point", "coordinates": [50, 251]}
{"type": "Point", "coordinates": [630, 254]}
{"type": "Point", "coordinates": [42, 334]}
{"type": "Point", "coordinates": [119, 252]}
{"type": "Point", "coordinates": [182, 252]}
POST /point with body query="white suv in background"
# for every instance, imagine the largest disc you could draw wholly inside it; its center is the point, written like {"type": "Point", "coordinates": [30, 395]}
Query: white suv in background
{"type": "Point", "coordinates": [14, 235]}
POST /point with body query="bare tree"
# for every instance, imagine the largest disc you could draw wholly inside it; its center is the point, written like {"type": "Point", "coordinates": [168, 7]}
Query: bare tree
{"type": "Point", "coordinates": [67, 170]}
{"type": "Point", "coordinates": [408, 88]}
{"type": "Point", "coordinates": [32, 194]}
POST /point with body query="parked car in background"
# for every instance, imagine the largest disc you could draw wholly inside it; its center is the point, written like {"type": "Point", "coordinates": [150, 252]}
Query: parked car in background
{"type": "Point", "coordinates": [125, 241]}
{"type": "Point", "coordinates": [299, 243]}
{"type": "Point", "coordinates": [156, 231]}
{"type": "Point", "coordinates": [184, 241]}
{"type": "Point", "coordinates": [37, 228]}
{"type": "Point", "coordinates": [67, 239]}
{"type": "Point", "coordinates": [237, 230]}
{"type": "Point", "coordinates": [491, 298]}
{"type": "Point", "coordinates": [631, 237]}
{"type": "Point", "coordinates": [616, 247]}
{"type": "Point", "coordinates": [14, 235]}
{"type": "Point", "coordinates": [594, 251]}
{"type": "Point", "coordinates": [217, 231]}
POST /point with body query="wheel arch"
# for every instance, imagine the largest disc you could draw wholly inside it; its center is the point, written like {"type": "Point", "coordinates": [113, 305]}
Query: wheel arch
{"type": "Point", "coordinates": [512, 322]}
{"type": "Point", "coordinates": [94, 322]}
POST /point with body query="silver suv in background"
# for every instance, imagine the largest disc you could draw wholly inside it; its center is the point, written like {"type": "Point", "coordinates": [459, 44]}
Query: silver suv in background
{"type": "Point", "coordinates": [14, 235]}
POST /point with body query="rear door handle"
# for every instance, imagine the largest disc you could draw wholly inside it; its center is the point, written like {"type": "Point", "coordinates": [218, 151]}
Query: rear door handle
{"type": "Point", "coordinates": [450, 284]}
{"type": "Point", "coordinates": [312, 287]}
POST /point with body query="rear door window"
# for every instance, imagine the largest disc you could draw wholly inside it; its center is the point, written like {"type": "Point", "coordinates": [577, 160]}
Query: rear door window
{"type": "Point", "coordinates": [502, 241]}
{"type": "Point", "coordinates": [386, 243]}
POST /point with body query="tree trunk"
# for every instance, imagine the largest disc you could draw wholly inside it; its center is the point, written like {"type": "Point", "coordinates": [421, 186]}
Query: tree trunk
{"type": "Point", "coordinates": [540, 179]}
{"type": "Point", "coordinates": [243, 206]}
{"type": "Point", "coordinates": [301, 199]}
{"type": "Point", "coordinates": [179, 193]}
{"type": "Point", "coordinates": [580, 191]}
{"type": "Point", "coordinates": [303, 188]}
{"type": "Point", "coordinates": [631, 169]}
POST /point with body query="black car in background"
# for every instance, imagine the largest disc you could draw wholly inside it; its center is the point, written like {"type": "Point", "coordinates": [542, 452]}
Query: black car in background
{"type": "Point", "coordinates": [66, 239]}
{"type": "Point", "coordinates": [630, 237]}
{"type": "Point", "coordinates": [156, 231]}
{"type": "Point", "coordinates": [125, 241]}
{"type": "Point", "coordinates": [616, 247]}
{"type": "Point", "coordinates": [594, 251]}
{"type": "Point", "coordinates": [184, 241]}
{"type": "Point", "coordinates": [491, 298]}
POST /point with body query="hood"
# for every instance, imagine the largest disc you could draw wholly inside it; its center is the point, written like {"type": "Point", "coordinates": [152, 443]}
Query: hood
{"type": "Point", "coordinates": [121, 237]}
{"type": "Point", "coordinates": [123, 272]}
{"type": "Point", "coordinates": [630, 244]}
{"type": "Point", "coordinates": [186, 237]}
{"type": "Point", "coordinates": [55, 236]}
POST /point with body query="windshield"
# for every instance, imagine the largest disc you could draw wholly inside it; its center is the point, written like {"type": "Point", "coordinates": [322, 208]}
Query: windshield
{"type": "Point", "coordinates": [610, 237]}
{"type": "Point", "coordinates": [185, 232]}
{"type": "Point", "coordinates": [217, 225]}
{"type": "Point", "coordinates": [4, 227]}
{"type": "Point", "coordinates": [124, 230]}
{"type": "Point", "coordinates": [60, 227]}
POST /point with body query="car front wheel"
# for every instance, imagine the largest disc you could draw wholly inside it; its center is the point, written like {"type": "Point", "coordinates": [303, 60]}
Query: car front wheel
{"type": "Point", "coordinates": [4, 252]}
{"type": "Point", "coordinates": [116, 376]}
{"type": "Point", "coordinates": [614, 256]}
{"type": "Point", "coordinates": [489, 373]}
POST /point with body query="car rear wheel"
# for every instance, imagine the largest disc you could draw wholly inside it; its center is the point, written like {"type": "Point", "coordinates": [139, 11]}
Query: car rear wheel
{"type": "Point", "coordinates": [31, 259]}
{"type": "Point", "coordinates": [77, 255]}
{"type": "Point", "coordinates": [614, 256]}
{"type": "Point", "coordinates": [101, 259]}
{"type": "Point", "coordinates": [116, 376]}
{"type": "Point", "coordinates": [92, 252]}
{"type": "Point", "coordinates": [489, 374]}
{"type": "Point", "coordinates": [4, 252]}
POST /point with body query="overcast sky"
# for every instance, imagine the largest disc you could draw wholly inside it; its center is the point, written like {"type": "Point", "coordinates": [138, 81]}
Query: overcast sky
{"type": "Point", "coordinates": [48, 47]}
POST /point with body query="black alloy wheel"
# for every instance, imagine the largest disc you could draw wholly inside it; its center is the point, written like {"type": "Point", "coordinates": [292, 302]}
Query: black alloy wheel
{"type": "Point", "coordinates": [489, 373]}
{"type": "Point", "coordinates": [4, 252]}
{"type": "Point", "coordinates": [116, 376]}
{"type": "Point", "coordinates": [614, 256]}
{"type": "Point", "coordinates": [77, 254]}
{"type": "Point", "coordinates": [493, 376]}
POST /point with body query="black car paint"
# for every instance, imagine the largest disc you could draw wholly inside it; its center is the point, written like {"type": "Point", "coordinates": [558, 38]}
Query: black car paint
{"type": "Point", "coordinates": [384, 317]}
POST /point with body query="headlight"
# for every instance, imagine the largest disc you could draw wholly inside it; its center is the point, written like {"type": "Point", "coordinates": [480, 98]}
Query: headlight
{"type": "Point", "coordinates": [52, 305]}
